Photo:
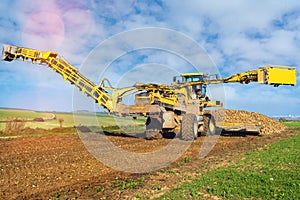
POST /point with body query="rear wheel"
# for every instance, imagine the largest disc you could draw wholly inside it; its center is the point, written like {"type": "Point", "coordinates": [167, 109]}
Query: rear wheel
{"type": "Point", "coordinates": [189, 127]}
{"type": "Point", "coordinates": [209, 124]}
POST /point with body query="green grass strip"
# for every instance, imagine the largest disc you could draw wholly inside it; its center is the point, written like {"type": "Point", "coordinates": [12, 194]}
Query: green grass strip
{"type": "Point", "coordinates": [272, 173]}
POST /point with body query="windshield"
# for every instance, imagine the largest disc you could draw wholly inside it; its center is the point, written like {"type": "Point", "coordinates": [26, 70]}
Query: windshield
{"type": "Point", "coordinates": [186, 79]}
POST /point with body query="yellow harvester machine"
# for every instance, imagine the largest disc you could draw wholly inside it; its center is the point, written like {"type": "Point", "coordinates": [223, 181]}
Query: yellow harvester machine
{"type": "Point", "coordinates": [177, 108]}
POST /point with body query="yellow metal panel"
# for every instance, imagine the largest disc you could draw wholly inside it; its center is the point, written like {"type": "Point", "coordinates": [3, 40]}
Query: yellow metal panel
{"type": "Point", "coordinates": [193, 74]}
{"type": "Point", "coordinates": [261, 76]}
{"type": "Point", "coordinates": [282, 75]}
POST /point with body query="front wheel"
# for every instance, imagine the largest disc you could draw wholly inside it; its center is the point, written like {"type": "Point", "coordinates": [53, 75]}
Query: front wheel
{"type": "Point", "coordinates": [189, 127]}
{"type": "Point", "coordinates": [209, 124]}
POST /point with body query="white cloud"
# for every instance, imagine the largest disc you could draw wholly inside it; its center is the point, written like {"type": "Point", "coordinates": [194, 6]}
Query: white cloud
{"type": "Point", "coordinates": [113, 8]}
{"type": "Point", "coordinates": [238, 35]}
{"type": "Point", "coordinates": [260, 98]}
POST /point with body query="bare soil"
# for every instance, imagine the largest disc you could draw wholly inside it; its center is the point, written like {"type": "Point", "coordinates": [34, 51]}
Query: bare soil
{"type": "Point", "coordinates": [59, 166]}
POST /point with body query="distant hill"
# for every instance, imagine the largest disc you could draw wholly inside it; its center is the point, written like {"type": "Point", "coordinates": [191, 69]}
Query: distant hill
{"type": "Point", "coordinates": [287, 117]}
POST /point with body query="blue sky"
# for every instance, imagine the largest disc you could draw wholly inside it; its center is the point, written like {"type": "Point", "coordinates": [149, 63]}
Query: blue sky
{"type": "Point", "coordinates": [237, 36]}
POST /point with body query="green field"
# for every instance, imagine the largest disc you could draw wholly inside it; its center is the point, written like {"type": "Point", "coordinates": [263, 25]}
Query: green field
{"type": "Point", "coordinates": [272, 173]}
{"type": "Point", "coordinates": [105, 121]}
{"type": "Point", "coordinates": [21, 114]}
{"type": "Point", "coordinates": [292, 123]}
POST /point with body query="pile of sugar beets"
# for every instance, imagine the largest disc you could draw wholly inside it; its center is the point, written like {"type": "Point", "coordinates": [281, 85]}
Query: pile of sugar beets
{"type": "Point", "coordinates": [242, 117]}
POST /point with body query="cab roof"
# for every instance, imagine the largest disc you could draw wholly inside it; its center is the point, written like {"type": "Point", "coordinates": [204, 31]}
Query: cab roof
{"type": "Point", "coordinates": [192, 74]}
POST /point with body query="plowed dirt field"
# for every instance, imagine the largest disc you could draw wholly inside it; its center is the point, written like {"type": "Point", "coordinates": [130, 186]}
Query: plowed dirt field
{"type": "Point", "coordinates": [59, 166]}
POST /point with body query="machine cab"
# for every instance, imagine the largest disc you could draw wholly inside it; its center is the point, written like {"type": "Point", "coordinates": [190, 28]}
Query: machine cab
{"type": "Point", "coordinates": [188, 77]}
{"type": "Point", "coordinates": [198, 90]}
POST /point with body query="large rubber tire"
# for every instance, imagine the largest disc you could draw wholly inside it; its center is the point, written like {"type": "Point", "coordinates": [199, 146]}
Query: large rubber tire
{"type": "Point", "coordinates": [209, 124]}
{"type": "Point", "coordinates": [153, 127]}
{"type": "Point", "coordinates": [189, 127]}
